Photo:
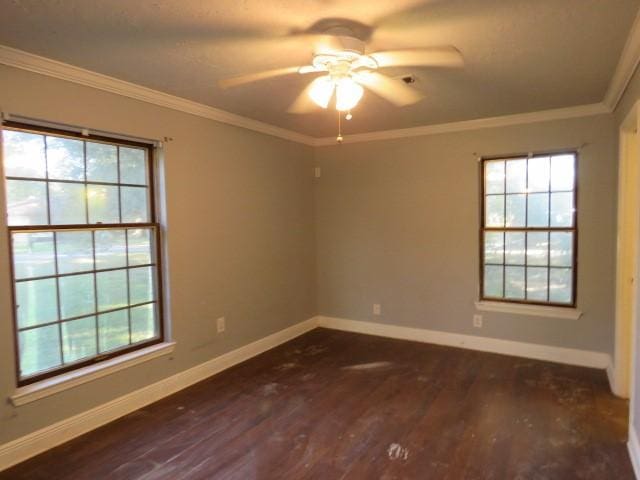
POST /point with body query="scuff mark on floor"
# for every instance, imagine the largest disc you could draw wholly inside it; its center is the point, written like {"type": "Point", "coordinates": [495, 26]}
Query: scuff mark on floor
{"type": "Point", "coordinates": [368, 366]}
{"type": "Point", "coordinates": [270, 389]}
{"type": "Point", "coordinates": [312, 350]}
{"type": "Point", "coordinates": [397, 452]}
{"type": "Point", "coordinates": [286, 366]}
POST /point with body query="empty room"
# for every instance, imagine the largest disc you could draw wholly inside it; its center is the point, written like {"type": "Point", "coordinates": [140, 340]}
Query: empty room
{"type": "Point", "coordinates": [319, 239]}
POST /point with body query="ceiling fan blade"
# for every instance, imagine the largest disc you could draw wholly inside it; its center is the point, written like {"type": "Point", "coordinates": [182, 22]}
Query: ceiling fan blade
{"type": "Point", "coordinates": [446, 56]}
{"type": "Point", "coordinates": [254, 77]}
{"type": "Point", "coordinates": [394, 91]}
{"type": "Point", "coordinates": [310, 69]}
{"type": "Point", "coordinates": [303, 102]}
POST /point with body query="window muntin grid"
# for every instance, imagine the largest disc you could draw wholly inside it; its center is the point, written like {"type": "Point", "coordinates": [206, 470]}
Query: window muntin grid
{"type": "Point", "coordinates": [529, 234]}
{"type": "Point", "coordinates": [84, 249]}
{"type": "Point", "coordinates": [55, 180]}
{"type": "Point", "coordinates": [112, 293]}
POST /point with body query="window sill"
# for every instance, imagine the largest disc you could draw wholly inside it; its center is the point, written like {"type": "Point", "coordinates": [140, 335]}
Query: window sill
{"type": "Point", "coordinates": [534, 310]}
{"type": "Point", "coordinates": [65, 381]}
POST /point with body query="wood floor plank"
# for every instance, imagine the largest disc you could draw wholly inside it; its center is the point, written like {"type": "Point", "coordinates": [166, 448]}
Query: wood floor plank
{"type": "Point", "coordinates": [337, 405]}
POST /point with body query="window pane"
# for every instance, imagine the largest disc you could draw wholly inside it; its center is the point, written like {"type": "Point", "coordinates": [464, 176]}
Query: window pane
{"type": "Point", "coordinates": [141, 285]}
{"type": "Point", "coordinates": [37, 302]}
{"type": "Point", "coordinates": [143, 323]}
{"type": "Point", "coordinates": [65, 158]}
{"type": "Point", "coordinates": [33, 254]}
{"type": "Point", "coordinates": [26, 202]}
{"type": "Point", "coordinates": [103, 204]}
{"type": "Point", "coordinates": [493, 247]}
{"type": "Point", "coordinates": [537, 284]}
{"type": "Point", "coordinates": [495, 211]}
{"type": "Point", "coordinates": [517, 176]}
{"type": "Point", "coordinates": [79, 339]}
{"type": "Point", "coordinates": [75, 251]}
{"type": "Point", "coordinates": [538, 210]}
{"type": "Point", "coordinates": [561, 209]}
{"type": "Point", "coordinates": [516, 210]}
{"type": "Point", "coordinates": [537, 248]}
{"type": "Point", "coordinates": [514, 282]}
{"type": "Point", "coordinates": [515, 248]}
{"type": "Point", "coordinates": [39, 349]}
{"type": "Point", "coordinates": [111, 250]}
{"type": "Point", "coordinates": [538, 174]}
{"type": "Point", "coordinates": [102, 162]}
{"type": "Point", "coordinates": [112, 289]}
{"type": "Point", "coordinates": [560, 285]}
{"type": "Point", "coordinates": [492, 281]}
{"type": "Point", "coordinates": [67, 203]}
{"type": "Point", "coordinates": [134, 204]}
{"type": "Point", "coordinates": [139, 246]}
{"type": "Point", "coordinates": [561, 249]}
{"type": "Point", "coordinates": [24, 154]}
{"type": "Point", "coordinates": [133, 166]}
{"type": "Point", "coordinates": [562, 172]}
{"type": "Point", "coordinates": [77, 295]}
{"type": "Point", "coordinates": [113, 330]}
{"type": "Point", "coordinates": [494, 176]}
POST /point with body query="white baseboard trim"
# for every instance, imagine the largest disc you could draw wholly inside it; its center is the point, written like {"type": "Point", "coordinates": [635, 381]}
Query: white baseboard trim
{"type": "Point", "coordinates": [46, 438]}
{"type": "Point", "coordinates": [570, 356]}
{"type": "Point", "coordinates": [611, 376]}
{"type": "Point", "coordinates": [616, 384]}
{"type": "Point", "coordinates": [633, 446]}
{"type": "Point", "coordinates": [51, 436]}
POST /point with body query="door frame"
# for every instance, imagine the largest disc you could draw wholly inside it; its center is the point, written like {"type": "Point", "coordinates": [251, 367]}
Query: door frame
{"type": "Point", "coordinates": [627, 295]}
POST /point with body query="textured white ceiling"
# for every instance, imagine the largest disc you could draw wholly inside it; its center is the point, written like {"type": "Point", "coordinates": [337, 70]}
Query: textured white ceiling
{"type": "Point", "coordinates": [521, 55]}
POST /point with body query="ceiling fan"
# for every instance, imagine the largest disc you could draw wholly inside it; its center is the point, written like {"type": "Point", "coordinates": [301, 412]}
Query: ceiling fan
{"type": "Point", "coordinates": [339, 55]}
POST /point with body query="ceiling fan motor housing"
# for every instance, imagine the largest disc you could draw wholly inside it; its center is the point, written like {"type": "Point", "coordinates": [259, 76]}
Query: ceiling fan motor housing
{"type": "Point", "coordinates": [347, 54]}
{"type": "Point", "coordinates": [351, 44]}
{"type": "Point", "coordinates": [346, 39]}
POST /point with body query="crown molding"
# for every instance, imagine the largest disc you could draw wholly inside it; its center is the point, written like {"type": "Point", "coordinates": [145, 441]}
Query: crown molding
{"type": "Point", "coordinates": [63, 71]}
{"type": "Point", "coordinates": [502, 121]}
{"type": "Point", "coordinates": [53, 68]}
{"type": "Point", "coordinates": [626, 67]}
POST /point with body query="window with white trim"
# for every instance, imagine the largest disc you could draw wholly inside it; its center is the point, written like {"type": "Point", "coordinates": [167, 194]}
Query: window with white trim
{"type": "Point", "coordinates": [529, 229]}
{"type": "Point", "coordinates": [84, 248]}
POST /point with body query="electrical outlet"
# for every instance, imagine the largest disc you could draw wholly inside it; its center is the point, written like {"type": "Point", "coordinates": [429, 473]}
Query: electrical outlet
{"type": "Point", "coordinates": [220, 324]}
{"type": "Point", "coordinates": [376, 309]}
{"type": "Point", "coordinates": [477, 321]}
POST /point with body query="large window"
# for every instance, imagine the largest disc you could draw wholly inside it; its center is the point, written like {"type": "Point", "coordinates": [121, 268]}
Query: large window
{"type": "Point", "coordinates": [529, 235]}
{"type": "Point", "coordinates": [84, 248]}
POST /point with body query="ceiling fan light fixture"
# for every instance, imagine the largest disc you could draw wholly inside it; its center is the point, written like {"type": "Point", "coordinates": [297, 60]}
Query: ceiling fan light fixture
{"type": "Point", "coordinates": [348, 94]}
{"type": "Point", "coordinates": [321, 91]}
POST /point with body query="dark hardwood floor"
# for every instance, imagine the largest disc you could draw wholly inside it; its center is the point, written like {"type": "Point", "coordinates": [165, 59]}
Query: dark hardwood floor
{"type": "Point", "coordinates": [333, 405]}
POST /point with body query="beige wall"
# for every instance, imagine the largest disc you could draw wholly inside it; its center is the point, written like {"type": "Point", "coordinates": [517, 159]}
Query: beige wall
{"type": "Point", "coordinates": [397, 224]}
{"type": "Point", "coordinates": [240, 236]}
{"type": "Point", "coordinates": [390, 222]}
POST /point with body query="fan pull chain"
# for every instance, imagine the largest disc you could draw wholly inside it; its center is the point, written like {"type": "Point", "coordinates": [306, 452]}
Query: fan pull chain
{"type": "Point", "coordinates": [339, 139]}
